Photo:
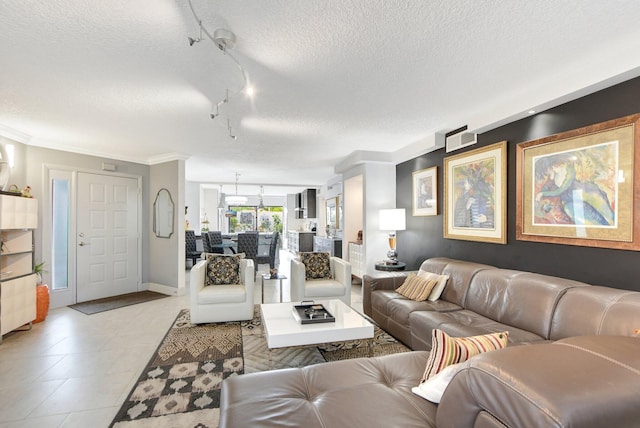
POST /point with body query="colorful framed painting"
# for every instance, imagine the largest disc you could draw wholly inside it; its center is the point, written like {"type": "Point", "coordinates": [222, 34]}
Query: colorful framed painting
{"type": "Point", "coordinates": [475, 195]}
{"type": "Point", "coordinates": [425, 192]}
{"type": "Point", "coordinates": [578, 187]}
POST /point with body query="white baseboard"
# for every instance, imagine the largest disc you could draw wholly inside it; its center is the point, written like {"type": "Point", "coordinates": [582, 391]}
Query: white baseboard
{"type": "Point", "coordinates": [164, 289]}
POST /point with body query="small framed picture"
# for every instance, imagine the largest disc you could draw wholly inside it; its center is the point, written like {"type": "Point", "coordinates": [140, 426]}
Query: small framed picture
{"type": "Point", "coordinates": [425, 192]}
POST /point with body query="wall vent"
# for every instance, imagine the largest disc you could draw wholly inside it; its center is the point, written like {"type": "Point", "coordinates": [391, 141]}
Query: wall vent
{"type": "Point", "coordinates": [458, 139]}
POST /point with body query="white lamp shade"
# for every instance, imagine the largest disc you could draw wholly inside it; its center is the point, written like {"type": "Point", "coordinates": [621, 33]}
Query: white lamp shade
{"type": "Point", "coordinates": [393, 219]}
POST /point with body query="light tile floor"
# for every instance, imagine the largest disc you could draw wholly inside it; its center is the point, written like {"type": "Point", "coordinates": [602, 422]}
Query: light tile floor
{"type": "Point", "coordinates": [75, 370]}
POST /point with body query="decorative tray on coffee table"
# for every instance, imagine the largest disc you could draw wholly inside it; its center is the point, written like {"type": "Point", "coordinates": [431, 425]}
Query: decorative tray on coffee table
{"type": "Point", "coordinates": [312, 313]}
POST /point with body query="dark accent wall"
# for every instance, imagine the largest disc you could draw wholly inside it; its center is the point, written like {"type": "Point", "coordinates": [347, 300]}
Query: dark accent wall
{"type": "Point", "coordinates": [424, 235]}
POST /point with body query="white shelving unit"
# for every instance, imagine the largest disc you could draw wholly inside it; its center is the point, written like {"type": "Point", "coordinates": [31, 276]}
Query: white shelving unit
{"type": "Point", "coordinates": [356, 259]}
{"type": "Point", "coordinates": [18, 218]}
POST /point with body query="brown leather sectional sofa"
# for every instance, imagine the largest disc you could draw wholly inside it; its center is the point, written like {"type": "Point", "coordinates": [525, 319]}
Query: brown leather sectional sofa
{"type": "Point", "coordinates": [583, 371]}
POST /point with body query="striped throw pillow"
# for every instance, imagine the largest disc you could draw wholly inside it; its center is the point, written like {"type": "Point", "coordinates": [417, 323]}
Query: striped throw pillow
{"type": "Point", "coordinates": [416, 288]}
{"type": "Point", "coordinates": [447, 350]}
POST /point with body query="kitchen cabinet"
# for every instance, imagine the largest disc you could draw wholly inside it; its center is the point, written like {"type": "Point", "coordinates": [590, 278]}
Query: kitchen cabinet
{"type": "Point", "coordinates": [300, 241]}
{"type": "Point", "coordinates": [331, 245]}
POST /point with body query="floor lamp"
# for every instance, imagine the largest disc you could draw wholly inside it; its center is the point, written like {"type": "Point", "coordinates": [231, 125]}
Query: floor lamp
{"type": "Point", "coordinates": [393, 220]}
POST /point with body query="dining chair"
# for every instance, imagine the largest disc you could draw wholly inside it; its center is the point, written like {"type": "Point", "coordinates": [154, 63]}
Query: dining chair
{"type": "Point", "coordinates": [215, 242]}
{"type": "Point", "coordinates": [248, 244]}
{"type": "Point", "coordinates": [191, 251]}
{"type": "Point", "coordinates": [206, 247]}
{"type": "Point", "coordinates": [274, 249]}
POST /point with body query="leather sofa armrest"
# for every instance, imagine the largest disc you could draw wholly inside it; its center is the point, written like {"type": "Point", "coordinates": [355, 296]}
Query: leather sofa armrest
{"type": "Point", "coordinates": [585, 381]}
{"type": "Point", "coordinates": [379, 281]}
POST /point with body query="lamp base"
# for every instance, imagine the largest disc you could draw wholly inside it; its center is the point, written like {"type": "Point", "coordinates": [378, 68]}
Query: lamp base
{"type": "Point", "coordinates": [392, 257]}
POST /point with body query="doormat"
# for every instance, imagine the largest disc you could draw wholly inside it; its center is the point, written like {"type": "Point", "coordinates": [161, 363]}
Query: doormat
{"type": "Point", "coordinates": [108, 303]}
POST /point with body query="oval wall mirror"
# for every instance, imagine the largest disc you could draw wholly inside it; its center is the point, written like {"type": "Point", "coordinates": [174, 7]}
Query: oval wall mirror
{"type": "Point", "coordinates": [163, 210]}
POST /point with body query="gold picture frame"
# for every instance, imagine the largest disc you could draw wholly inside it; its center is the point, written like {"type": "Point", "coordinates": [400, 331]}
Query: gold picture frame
{"type": "Point", "coordinates": [580, 187]}
{"type": "Point", "coordinates": [475, 195]}
{"type": "Point", "coordinates": [425, 192]}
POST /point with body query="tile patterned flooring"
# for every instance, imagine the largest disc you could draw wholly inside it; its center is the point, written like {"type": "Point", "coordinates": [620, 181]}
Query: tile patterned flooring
{"type": "Point", "coordinates": [75, 370]}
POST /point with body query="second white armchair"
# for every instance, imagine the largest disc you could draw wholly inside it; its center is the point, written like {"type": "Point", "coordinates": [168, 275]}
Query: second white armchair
{"type": "Point", "coordinates": [336, 286]}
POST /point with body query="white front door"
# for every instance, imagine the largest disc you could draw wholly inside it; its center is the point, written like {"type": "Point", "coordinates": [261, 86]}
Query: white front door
{"type": "Point", "coordinates": [106, 236]}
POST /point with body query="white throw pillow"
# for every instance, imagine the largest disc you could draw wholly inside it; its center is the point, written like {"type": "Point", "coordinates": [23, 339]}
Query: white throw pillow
{"type": "Point", "coordinates": [438, 288]}
{"type": "Point", "coordinates": [433, 388]}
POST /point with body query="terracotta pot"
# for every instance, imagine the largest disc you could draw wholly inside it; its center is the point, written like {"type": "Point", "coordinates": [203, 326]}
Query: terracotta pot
{"type": "Point", "coordinates": [42, 302]}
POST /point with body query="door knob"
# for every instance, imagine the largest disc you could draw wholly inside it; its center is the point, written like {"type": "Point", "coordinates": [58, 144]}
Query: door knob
{"type": "Point", "coordinates": [82, 244]}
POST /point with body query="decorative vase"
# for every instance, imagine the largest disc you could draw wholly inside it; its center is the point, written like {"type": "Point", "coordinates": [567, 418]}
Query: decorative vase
{"type": "Point", "coordinates": [42, 302]}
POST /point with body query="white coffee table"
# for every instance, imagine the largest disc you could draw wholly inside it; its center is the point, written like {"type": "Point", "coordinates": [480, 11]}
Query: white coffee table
{"type": "Point", "coordinates": [282, 330]}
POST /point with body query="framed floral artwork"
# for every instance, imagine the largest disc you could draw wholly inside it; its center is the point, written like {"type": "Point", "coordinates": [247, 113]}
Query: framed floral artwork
{"type": "Point", "coordinates": [425, 192]}
{"type": "Point", "coordinates": [475, 195]}
{"type": "Point", "coordinates": [578, 187]}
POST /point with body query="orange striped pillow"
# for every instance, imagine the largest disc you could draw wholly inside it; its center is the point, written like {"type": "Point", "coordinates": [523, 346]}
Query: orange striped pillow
{"type": "Point", "coordinates": [416, 288]}
{"type": "Point", "coordinates": [447, 350]}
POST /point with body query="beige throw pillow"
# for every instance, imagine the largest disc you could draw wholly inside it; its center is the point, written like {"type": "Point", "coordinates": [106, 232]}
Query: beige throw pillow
{"type": "Point", "coordinates": [439, 288]}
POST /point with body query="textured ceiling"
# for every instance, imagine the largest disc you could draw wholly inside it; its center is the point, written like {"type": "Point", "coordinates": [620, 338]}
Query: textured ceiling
{"type": "Point", "coordinates": [118, 78]}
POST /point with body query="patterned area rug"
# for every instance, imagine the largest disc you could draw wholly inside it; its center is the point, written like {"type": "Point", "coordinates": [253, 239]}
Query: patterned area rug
{"type": "Point", "coordinates": [180, 387]}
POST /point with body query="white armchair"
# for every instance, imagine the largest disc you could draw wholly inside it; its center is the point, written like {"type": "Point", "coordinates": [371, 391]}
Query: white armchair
{"type": "Point", "coordinates": [338, 287]}
{"type": "Point", "coordinates": [220, 303]}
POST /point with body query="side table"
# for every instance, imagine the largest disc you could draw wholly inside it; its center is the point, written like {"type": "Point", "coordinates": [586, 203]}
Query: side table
{"type": "Point", "coordinates": [390, 267]}
{"type": "Point", "coordinates": [269, 277]}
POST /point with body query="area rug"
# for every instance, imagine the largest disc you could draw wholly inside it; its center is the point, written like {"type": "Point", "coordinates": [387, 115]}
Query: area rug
{"type": "Point", "coordinates": [108, 303]}
{"type": "Point", "coordinates": [180, 387]}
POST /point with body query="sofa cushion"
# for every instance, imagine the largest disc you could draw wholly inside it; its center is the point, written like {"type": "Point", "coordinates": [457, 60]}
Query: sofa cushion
{"type": "Point", "coordinates": [222, 269]}
{"type": "Point", "coordinates": [447, 350]}
{"type": "Point", "coordinates": [316, 265]}
{"type": "Point", "coordinates": [597, 310]}
{"type": "Point", "coordinates": [391, 311]}
{"type": "Point", "coordinates": [461, 323]}
{"type": "Point", "coordinates": [324, 288]}
{"type": "Point", "coordinates": [460, 275]}
{"type": "Point", "coordinates": [225, 293]}
{"type": "Point", "coordinates": [520, 299]}
{"type": "Point", "coordinates": [361, 392]}
{"type": "Point", "coordinates": [418, 288]}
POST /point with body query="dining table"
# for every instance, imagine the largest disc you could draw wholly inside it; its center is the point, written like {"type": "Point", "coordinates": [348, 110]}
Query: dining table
{"type": "Point", "coordinates": [227, 243]}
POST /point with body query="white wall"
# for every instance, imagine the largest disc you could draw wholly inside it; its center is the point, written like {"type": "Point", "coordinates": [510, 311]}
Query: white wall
{"type": "Point", "coordinates": [378, 192]}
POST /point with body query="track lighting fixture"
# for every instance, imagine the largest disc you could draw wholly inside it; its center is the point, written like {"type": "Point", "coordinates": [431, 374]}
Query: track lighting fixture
{"type": "Point", "coordinates": [225, 40]}
{"type": "Point", "coordinates": [230, 130]}
{"type": "Point", "coordinates": [199, 39]}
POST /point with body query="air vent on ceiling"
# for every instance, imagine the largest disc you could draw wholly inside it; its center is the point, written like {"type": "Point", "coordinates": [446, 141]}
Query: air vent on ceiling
{"type": "Point", "coordinates": [459, 138]}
